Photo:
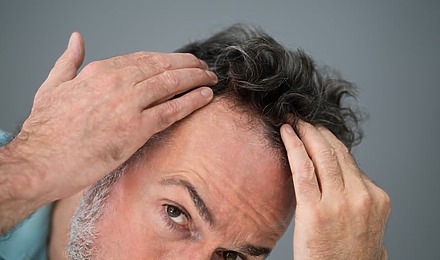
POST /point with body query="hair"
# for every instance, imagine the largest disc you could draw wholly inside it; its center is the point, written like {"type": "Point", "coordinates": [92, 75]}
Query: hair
{"type": "Point", "coordinates": [82, 227]}
{"type": "Point", "coordinates": [262, 78]}
{"type": "Point", "coordinates": [276, 84]}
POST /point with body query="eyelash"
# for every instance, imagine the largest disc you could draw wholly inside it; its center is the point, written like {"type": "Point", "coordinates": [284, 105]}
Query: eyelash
{"type": "Point", "coordinates": [170, 223]}
{"type": "Point", "coordinates": [176, 227]}
{"type": "Point", "coordinates": [220, 254]}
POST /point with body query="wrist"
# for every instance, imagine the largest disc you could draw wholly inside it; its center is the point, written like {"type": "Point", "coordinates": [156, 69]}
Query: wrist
{"type": "Point", "coordinates": [21, 174]}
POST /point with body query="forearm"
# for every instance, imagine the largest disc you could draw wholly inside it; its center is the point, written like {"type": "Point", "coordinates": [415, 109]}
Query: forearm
{"type": "Point", "coordinates": [21, 189]}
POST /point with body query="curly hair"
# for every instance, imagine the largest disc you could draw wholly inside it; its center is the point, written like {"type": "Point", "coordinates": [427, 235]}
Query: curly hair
{"type": "Point", "coordinates": [279, 84]}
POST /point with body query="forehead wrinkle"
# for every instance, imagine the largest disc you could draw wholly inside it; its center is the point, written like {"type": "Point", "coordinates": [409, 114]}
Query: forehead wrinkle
{"type": "Point", "coordinates": [239, 128]}
{"type": "Point", "coordinates": [245, 205]}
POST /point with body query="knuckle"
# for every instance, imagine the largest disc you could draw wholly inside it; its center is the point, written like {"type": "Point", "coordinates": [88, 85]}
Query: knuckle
{"type": "Point", "coordinates": [364, 203]}
{"type": "Point", "coordinates": [143, 60]}
{"type": "Point", "coordinates": [170, 112]}
{"type": "Point", "coordinates": [386, 199]}
{"type": "Point", "coordinates": [386, 202]}
{"type": "Point", "coordinates": [341, 147]}
{"type": "Point", "coordinates": [93, 67]}
{"type": "Point", "coordinates": [307, 166]}
{"type": "Point", "coordinates": [383, 199]}
{"type": "Point", "coordinates": [341, 206]}
{"type": "Point", "coordinates": [316, 218]}
{"type": "Point", "coordinates": [329, 152]}
{"type": "Point", "coordinates": [160, 61]}
{"type": "Point", "coordinates": [173, 107]}
{"type": "Point", "coordinates": [115, 61]}
{"type": "Point", "coordinates": [328, 155]}
{"type": "Point", "coordinates": [169, 78]}
{"type": "Point", "coordinates": [142, 54]}
{"type": "Point", "coordinates": [304, 181]}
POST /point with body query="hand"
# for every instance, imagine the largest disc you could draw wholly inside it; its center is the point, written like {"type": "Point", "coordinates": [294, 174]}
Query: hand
{"type": "Point", "coordinates": [340, 213]}
{"type": "Point", "coordinates": [82, 127]}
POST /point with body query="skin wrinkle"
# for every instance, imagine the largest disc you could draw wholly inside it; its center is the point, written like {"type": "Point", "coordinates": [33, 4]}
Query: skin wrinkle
{"type": "Point", "coordinates": [237, 125]}
{"type": "Point", "coordinates": [249, 206]}
{"type": "Point", "coordinates": [203, 210]}
{"type": "Point", "coordinates": [237, 194]}
{"type": "Point", "coordinates": [225, 193]}
{"type": "Point", "coordinates": [244, 204]}
{"type": "Point", "coordinates": [249, 249]}
{"type": "Point", "coordinates": [260, 83]}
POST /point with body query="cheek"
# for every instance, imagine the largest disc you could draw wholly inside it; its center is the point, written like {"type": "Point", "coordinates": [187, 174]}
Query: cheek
{"type": "Point", "coordinates": [133, 226]}
{"type": "Point", "coordinates": [123, 229]}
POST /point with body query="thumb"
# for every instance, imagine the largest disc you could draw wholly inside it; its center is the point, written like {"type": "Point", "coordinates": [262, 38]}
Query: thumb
{"type": "Point", "coordinates": [67, 65]}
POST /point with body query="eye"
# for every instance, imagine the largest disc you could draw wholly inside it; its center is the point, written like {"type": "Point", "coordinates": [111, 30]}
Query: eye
{"type": "Point", "coordinates": [177, 215]}
{"type": "Point", "coordinates": [231, 255]}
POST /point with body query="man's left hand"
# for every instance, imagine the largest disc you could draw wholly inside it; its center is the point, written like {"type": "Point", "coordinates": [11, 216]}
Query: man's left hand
{"type": "Point", "coordinates": [340, 213]}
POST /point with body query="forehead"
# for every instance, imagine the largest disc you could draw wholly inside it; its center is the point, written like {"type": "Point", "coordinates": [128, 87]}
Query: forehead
{"type": "Point", "coordinates": [226, 151]}
{"type": "Point", "coordinates": [228, 138]}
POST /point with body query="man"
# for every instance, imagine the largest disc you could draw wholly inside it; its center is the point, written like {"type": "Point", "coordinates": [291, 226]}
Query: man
{"type": "Point", "coordinates": [81, 127]}
{"type": "Point", "coordinates": [217, 185]}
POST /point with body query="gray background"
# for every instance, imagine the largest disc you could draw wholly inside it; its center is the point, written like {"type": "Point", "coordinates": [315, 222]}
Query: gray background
{"type": "Point", "coordinates": [390, 49]}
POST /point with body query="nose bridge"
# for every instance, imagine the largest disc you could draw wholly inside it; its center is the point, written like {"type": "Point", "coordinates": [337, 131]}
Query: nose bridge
{"type": "Point", "coordinates": [198, 251]}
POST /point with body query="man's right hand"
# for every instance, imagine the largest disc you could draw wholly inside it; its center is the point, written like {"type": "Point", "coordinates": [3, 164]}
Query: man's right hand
{"type": "Point", "coordinates": [83, 126]}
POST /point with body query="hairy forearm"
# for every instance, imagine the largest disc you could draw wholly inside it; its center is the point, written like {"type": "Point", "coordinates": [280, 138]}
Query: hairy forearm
{"type": "Point", "coordinates": [21, 192]}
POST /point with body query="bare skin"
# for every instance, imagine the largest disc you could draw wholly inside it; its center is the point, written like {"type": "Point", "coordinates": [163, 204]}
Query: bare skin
{"type": "Point", "coordinates": [250, 201]}
{"type": "Point", "coordinates": [340, 213]}
{"type": "Point", "coordinates": [83, 126]}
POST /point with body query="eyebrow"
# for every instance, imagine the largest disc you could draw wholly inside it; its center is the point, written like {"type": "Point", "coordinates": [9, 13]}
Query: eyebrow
{"type": "Point", "coordinates": [200, 205]}
{"type": "Point", "coordinates": [206, 215]}
{"type": "Point", "coordinates": [256, 250]}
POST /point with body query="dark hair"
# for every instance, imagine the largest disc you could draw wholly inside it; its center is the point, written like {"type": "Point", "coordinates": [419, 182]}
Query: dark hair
{"type": "Point", "coordinates": [277, 84]}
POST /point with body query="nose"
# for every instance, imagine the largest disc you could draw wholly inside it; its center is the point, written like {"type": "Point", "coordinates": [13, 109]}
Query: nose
{"type": "Point", "coordinates": [198, 252]}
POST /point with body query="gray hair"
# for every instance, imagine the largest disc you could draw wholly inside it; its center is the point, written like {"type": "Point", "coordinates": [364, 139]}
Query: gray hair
{"type": "Point", "coordinates": [278, 85]}
{"type": "Point", "coordinates": [264, 80]}
{"type": "Point", "coordinates": [83, 231]}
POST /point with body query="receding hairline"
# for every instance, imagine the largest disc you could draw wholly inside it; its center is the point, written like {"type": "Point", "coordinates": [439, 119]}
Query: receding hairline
{"type": "Point", "coordinates": [242, 116]}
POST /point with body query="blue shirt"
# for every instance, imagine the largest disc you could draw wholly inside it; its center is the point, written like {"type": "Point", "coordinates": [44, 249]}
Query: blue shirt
{"type": "Point", "coordinates": [27, 240]}
{"type": "Point", "coordinates": [4, 138]}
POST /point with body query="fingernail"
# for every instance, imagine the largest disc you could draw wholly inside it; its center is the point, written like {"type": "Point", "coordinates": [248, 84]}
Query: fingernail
{"type": "Point", "coordinates": [288, 128]}
{"type": "Point", "coordinates": [212, 75]}
{"type": "Point", "coordinates": [206, 92]}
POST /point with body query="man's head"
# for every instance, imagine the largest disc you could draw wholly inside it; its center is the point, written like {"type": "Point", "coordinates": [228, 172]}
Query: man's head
{"type": "Point", "coordinates": [216, 185]}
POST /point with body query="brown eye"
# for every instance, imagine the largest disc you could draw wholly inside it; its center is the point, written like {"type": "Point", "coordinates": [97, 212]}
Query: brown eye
{"type": "Point", "coordinates": [176, 215]}
{"type": "Point", "coordinates": [230, 255]}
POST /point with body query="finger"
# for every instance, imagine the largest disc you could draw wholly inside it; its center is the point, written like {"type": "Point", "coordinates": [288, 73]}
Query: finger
{"type": "Point", "coordinates": [303, 173]}
{"type": "Point", "coordinates": [66, 67]}
{"type": "Point", "coordinates": [166, 114]}
{"type": "Point", "coordinates": [348, 165]}
{"type": "Point", "coordinates": [153, 63]}
{"type": "Point", "coordinates": [172, 82]}
{"type": "Point", "coordinates": [324, 158]}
